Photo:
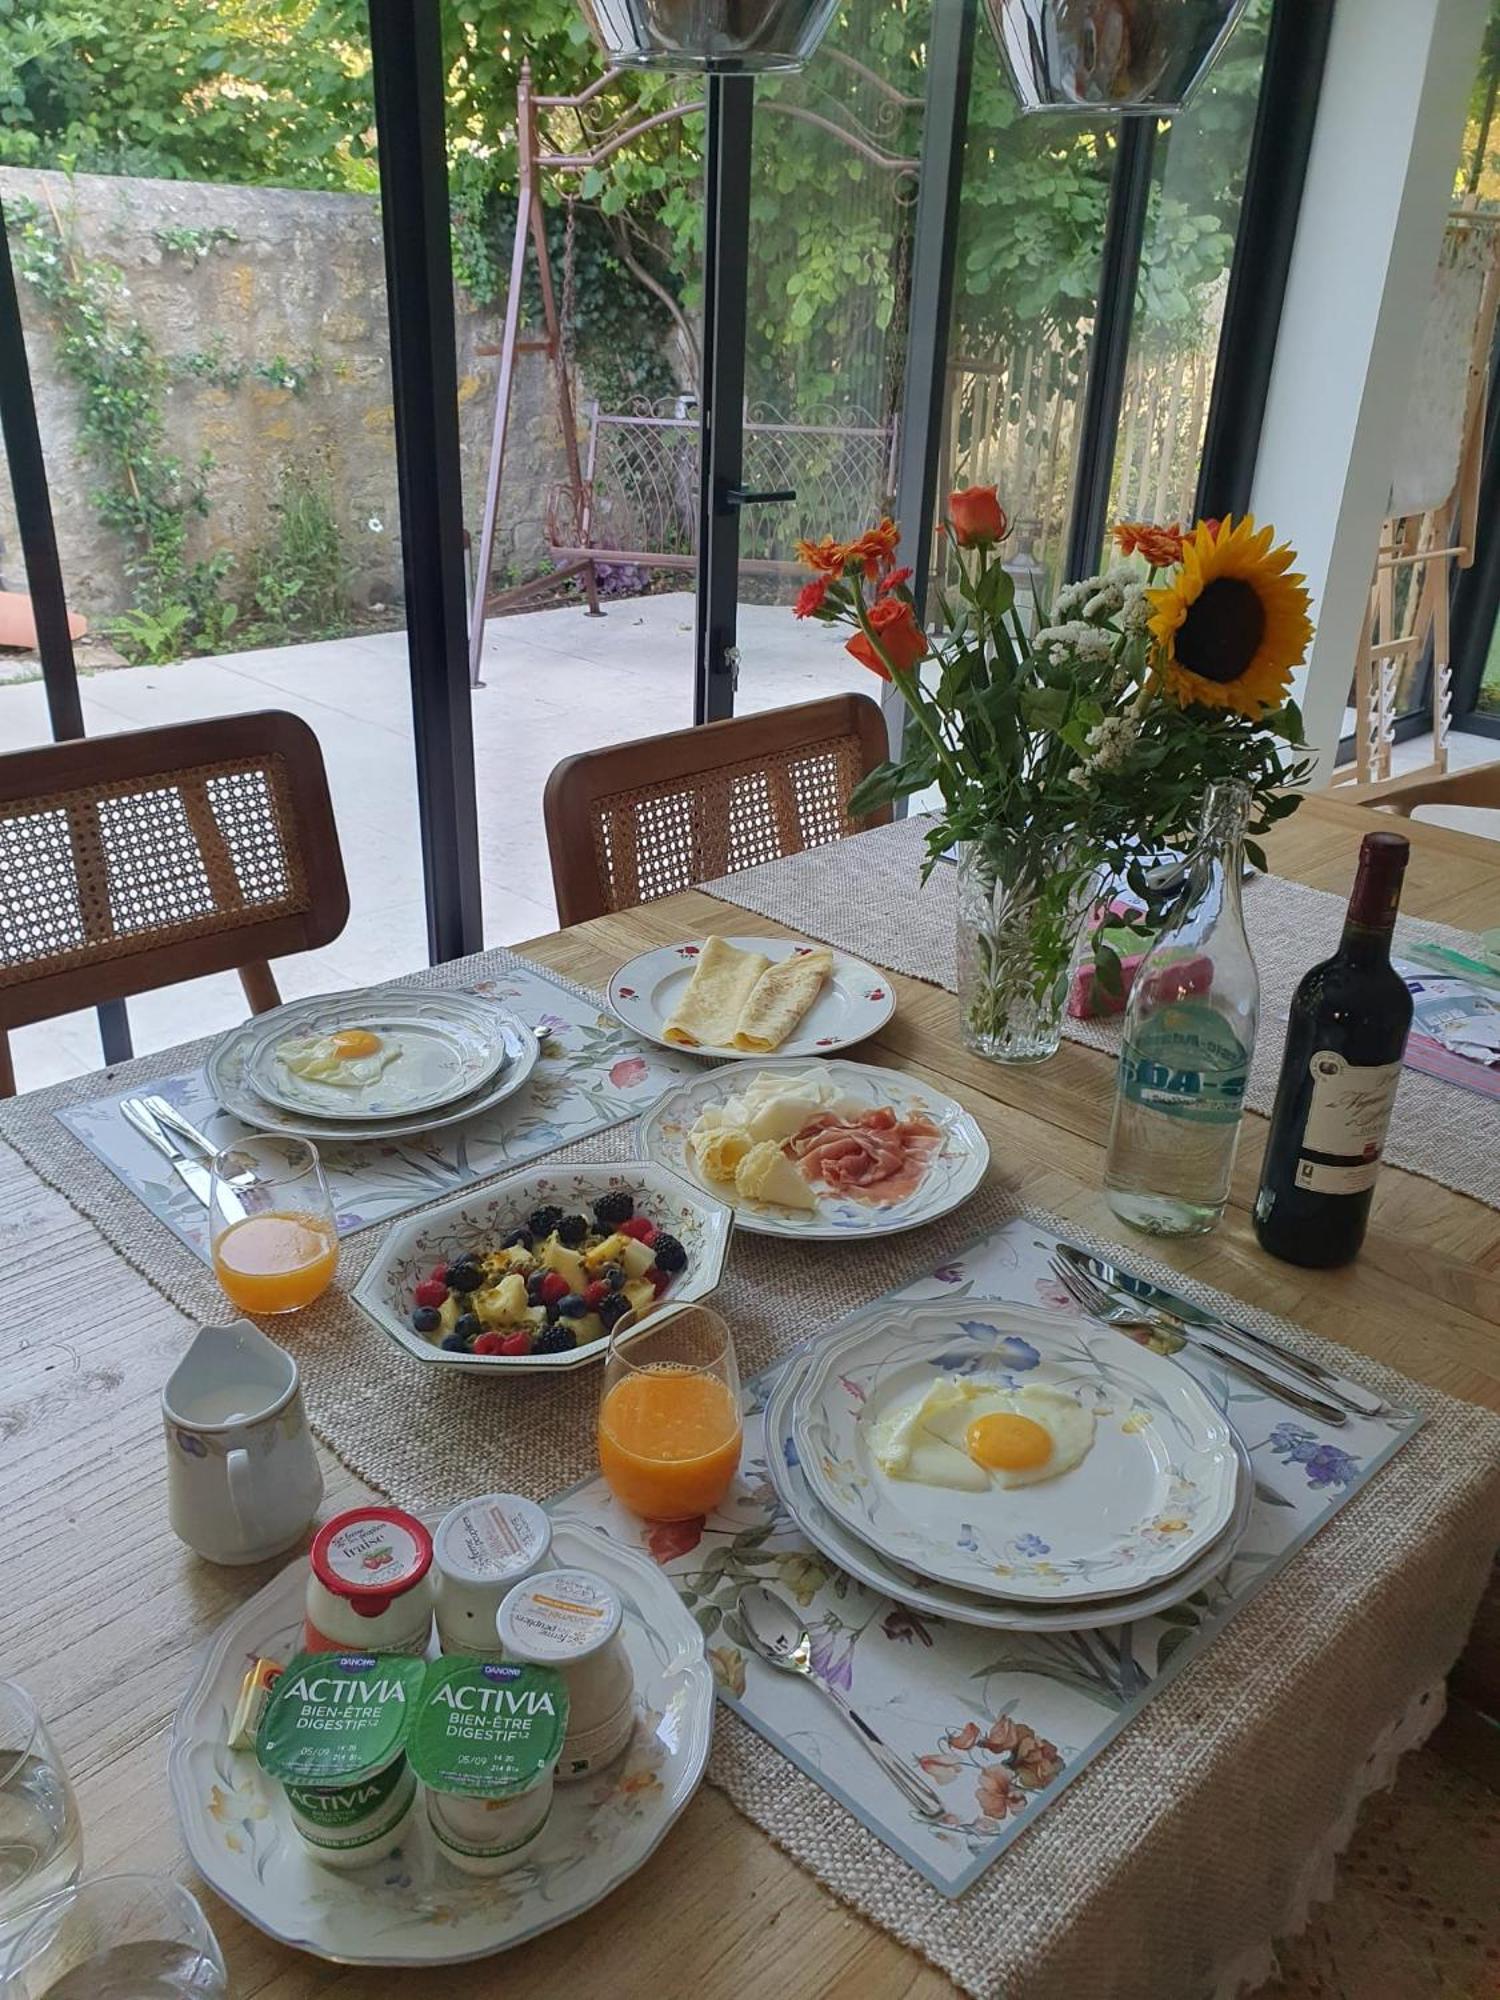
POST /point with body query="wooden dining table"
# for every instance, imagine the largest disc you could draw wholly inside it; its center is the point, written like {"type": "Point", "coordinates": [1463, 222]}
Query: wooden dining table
{"type": "Point", "coordinates": [101, 1607]}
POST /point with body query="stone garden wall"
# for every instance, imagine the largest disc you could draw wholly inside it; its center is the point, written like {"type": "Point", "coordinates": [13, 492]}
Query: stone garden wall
{"type": "Point", "coordinates": [293, 287]}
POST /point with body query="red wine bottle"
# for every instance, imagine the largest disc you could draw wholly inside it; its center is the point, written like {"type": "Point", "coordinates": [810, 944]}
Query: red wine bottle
{"type": "Point", "coordinates": [1345, 1038]}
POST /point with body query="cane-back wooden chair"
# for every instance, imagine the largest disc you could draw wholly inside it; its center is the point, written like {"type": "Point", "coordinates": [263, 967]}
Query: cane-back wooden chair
{"type": "Point", "coordinates": [640, 820]}
{"type": "Point", "coordinates": [134, 861]}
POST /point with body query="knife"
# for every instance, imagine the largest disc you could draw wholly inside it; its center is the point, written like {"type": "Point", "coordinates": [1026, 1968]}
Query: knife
{"type": "Point", "coordinates": [1363, 1402]}
{"type": "Point", "coordinates": [193, 1174]}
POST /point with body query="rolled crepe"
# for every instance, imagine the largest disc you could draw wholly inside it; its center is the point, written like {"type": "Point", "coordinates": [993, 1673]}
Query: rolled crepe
{"type": "Point", "coordinates": [781, 996]}
{"type": "Point", "coordinates": [709, 1011]}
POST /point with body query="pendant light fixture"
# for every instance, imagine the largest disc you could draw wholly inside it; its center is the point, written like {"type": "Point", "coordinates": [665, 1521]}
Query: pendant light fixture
{"type": "Point", "coordinates": [1096, 57]}
{"type": "Point", "coordinates": [716, 37]}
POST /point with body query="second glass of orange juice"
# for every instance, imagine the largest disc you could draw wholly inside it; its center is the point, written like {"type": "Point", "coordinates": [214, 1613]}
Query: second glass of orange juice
{"type": "Point", "coordinates": [669, 1419]}
{"type": "Point", "coordinates": [272, 1231]}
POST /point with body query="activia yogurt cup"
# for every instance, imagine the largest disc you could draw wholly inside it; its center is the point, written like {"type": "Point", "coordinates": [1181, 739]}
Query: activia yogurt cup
{"type": "Point", "coordinates": [481, 1550]}
{"type": "Point", "coordinates": [570, 1619]}
{"type": "Point", "coordinates": [334, 1737]}
{"type": "Point", "coordinates": [368, 1588]}
{"type": "Point", "coordinates": [485, 1740]}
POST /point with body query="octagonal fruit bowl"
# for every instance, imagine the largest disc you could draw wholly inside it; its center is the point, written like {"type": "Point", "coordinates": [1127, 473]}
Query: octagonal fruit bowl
{"type": "Point", "coordinates": [417, 1258]}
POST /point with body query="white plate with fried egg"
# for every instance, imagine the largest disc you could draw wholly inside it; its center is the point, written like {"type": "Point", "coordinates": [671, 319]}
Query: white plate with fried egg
{"type": "Point", "coordinates": [1013, 1452]}
{"type": "Point", "coordinates": [376, 1055]}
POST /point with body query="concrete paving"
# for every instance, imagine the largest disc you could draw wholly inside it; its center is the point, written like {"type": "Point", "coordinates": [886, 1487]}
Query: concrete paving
{"type": "Point", "coordinates": [554, 682]}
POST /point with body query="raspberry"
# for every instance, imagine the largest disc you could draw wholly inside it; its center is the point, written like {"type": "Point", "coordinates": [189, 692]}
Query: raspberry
{"type": "Point", "coordinates": [553, 1288]}
{"type": "Point", "coordinates": [489, 1343]}
{"type": "Point", "coordinates": [438, 1271]}
{"type": "Point", "coordinates": [518, 1342]}
{"type": "Point", "coordinates": [431, 1292]}
{"type": "Point", "coordinates": [659, 1279]}
{"type": "Point", "coordinates": [596, 1294]}
{"type": "Point", "coordinates": [640, 1228]}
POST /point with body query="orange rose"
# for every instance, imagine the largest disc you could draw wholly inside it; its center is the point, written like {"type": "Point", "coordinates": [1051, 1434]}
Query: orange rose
{"type": "Point", "coordinates": [874, 550]}
{"type": "Point", "coordinates": [810, 597]}
{"type": "Point", "coordinates": [826, 557]}
{"type": "Point", "coordinates": [901, 640]}
{"type": "Point", "coordinates": [978, 519]}
{"type": "Point", "coordinates": [1160, 546]}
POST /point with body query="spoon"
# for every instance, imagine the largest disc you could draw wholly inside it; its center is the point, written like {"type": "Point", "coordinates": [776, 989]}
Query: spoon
{"type": "Point", "coordinates": [778, 1635]}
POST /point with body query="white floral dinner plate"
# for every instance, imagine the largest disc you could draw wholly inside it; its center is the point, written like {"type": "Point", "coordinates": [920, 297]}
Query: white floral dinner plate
{"type": "Point", "coordinates": [856, 999]}
{"type": "Point", "coordinates": [482, 1218]}
{"type": "Point", "coordinates": [414, 1908]}
{"type": "Point", "coordinates": [868, 1566]}
{"type": "Point", "coordinates": [447, 1045]}
{"type": "Point", "coordinates": [954, 1172]}
{"type": "Point", "coordinates": [1156, 1488]}
{"type": "Point", "coordinates": [225, 1072]}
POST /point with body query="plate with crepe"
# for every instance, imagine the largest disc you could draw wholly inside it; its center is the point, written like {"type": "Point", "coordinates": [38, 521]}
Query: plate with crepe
{"type": "Point", "coordinates": [818, 1150]}
{"type": "Point", "coordinates": [739, 998]}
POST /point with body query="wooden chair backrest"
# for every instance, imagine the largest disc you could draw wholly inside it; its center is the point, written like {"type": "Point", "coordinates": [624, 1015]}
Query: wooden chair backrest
{"type": "Point", "coordinates": [640, 820]}
{"type": "Point", "coordinates": [1477, 786]}
{"type": "Point", "coordinates": [131, 862]}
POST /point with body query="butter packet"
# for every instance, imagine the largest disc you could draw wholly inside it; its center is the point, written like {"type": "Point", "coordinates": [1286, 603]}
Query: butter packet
{"type": "Point", "coordinates": [255, 1694]}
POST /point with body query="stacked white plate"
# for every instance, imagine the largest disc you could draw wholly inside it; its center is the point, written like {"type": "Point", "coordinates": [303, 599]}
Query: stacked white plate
{"type": "Point", "coordinates": [1150, 1507]}
{"type": "Point", "coordinates": [437, 1058]}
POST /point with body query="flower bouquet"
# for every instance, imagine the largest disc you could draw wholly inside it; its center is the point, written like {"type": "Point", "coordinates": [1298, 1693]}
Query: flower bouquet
{"type": "Point", "coordinates": [1074, 754]}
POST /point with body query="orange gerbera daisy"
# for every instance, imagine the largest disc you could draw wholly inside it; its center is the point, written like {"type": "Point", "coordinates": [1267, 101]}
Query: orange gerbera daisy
{"type": "Point", "coordinates": [825, 556]}
{"type": "Point", "coordinates": [874, 550]}
{"type": "Point", "coordinates": [1161, 546]}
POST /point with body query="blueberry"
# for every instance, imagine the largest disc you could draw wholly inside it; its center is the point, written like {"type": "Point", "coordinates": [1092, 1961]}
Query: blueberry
{"type": "Point", "coordinates": [464, 1276]}
{"type": "Point", "coordinates": [572, 1306]}
{"type": "Point", "coordinates": [518, 1239]}
{"type": "Point", "coordinates": [573, 1230]}
{"type": "Point", "coordinates": [669, 1253]}
{"type": "Point", "coordinates": [613, 1276]}
{"type": "Point", "coordinates": [470, 1325]}
{"type": "Point", "coordinates": [611, 1209]}
{"type": "Point", "coordinates": [534, 1288]}
{"type": "Point", "coordinates": [427, 1319]}
{"type": "Point", "coordinates": [554, 1340]}
{"type": "Point", "coordinates": [455, 1343]}
{"type": "Point", "coordinates": [542, 1221]}
{"type": "Point", "coordinates": [614, 1308]}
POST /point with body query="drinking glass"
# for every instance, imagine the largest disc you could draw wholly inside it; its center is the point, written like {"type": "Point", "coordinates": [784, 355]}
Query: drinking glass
{"type": "Point", "coordinates": [669, 1418]}
{"type": "Point", "coordinates": [41, 1843]}
{"type": "Point", "coordinates": [123, 1937]}
{"type": "Point", "coordinates": [271, 1224]}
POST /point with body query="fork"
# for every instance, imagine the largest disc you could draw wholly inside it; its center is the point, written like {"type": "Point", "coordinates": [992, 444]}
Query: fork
{"type": "Point", "coordinates": [1098, 1304]}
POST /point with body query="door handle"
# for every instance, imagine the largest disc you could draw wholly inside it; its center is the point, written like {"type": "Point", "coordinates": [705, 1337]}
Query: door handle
{"type": "Point", "coordinates": [735, 497]}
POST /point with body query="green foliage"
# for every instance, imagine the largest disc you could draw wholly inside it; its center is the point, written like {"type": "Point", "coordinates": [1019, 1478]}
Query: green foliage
{"type": "Point", "coordinates": [299, 578]}
{"type": "Point", "coordinates": [193, 245]}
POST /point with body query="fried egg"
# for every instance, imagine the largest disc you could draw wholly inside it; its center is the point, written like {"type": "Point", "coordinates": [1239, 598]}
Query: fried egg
{"type": "Point", "coordinates": [350, 1058]}
{"type": "Point", "coordinates": [969, 1435]}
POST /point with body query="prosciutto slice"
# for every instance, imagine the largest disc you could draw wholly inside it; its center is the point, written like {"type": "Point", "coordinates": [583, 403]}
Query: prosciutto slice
{"type": "Point", "coordinates": [876, 1157]}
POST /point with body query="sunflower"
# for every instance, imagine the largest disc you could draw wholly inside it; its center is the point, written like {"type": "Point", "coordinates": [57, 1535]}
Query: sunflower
{"type": "Point", "coordinates": [1232, 623]}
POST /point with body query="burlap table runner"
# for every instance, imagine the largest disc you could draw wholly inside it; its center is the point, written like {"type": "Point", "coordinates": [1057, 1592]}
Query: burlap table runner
{"type": "Point", "coordinates": [1186, 1846]}
{"type": "Point", "coordinates": [864, 895]}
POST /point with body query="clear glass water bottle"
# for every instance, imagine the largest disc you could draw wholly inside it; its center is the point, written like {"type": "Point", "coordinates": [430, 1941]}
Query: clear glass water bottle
{"type": "Point", "coordinates": [1189, 1035]}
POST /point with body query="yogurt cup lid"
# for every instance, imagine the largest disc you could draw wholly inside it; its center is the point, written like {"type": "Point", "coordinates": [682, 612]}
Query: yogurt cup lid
{"type": "Point", "coordinates": [336, 1716]}
{"type": "Point", "coordinates": [489, 1729]}
{"type": "Point", "coordinates": [493, 1539]}
{"type": "Point", "coordinates": [370, 1555]}
{"type": "Point", "coordinates": [558, 1617]}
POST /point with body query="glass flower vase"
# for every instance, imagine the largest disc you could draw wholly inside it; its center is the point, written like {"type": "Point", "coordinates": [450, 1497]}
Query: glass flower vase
{"type": "Point", "coordinates": [1021, 919]}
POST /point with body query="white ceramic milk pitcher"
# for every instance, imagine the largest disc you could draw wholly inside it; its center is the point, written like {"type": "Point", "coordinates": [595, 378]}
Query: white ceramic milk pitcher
{"type": "Point", "coordinates": [243, 1480]}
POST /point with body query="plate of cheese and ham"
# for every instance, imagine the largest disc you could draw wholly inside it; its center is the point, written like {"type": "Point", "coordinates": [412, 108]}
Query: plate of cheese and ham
{"type": "Point", "coordinates": [819, 1149]}
{"type": "Point", "coordinates": [743, 998]}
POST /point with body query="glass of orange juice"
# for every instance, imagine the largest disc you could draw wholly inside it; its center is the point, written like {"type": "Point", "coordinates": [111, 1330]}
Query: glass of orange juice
{"type": "Point", "coordinates": [669, 1419]}
{"type": "Point", "coordinates": [271, 1224]}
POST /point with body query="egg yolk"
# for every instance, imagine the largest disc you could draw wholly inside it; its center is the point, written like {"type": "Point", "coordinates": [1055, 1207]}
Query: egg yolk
{"type": "Point", "coordinates": [350, 1042]}
{"type": "Point", "coordinates": [1004, 1442]}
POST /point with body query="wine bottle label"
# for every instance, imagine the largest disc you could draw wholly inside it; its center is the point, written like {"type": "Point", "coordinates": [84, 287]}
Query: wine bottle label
{"type": "Point", "coordinates": [1188, 1062]}
{"type": "Point", "coordinates": [1348, 1115]}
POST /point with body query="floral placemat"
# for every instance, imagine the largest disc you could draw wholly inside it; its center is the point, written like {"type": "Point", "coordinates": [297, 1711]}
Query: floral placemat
{"type": "Point", "coordinates": [592, 1073]}
{"type": "Point", "coordinates": [1000, 1722]}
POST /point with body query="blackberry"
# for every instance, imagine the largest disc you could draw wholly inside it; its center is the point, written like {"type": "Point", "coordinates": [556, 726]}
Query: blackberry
{"type": "Point", "coordinates": [426, 1319]}
{"type": "Point", "coordinates": [542, 1221]}
{"type": "Point", "coordinates": [611, 1209]}
{"type": "Point", "coordinates": [518, 1239]}
{"type": "Point", "coordinates": [554, 1340]}
{"type": "Point", "coordinates": [669, 1253]}
{"type": "Point", "coordinates": [464, 1276]}
{"type": "Point", "coordinates": [614, 1308]}
{"type": "Point", "coordinates": [573, 1230]}
{"type": "Point", "coordinates": [573, 1306]}
{"type": "Point", "coordinates": [456, 1343]}
{"type": "Point", "coordinates": [470, 1325]}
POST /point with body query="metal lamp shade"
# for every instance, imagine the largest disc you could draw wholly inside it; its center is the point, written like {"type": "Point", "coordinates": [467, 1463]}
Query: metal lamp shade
{"type": "Point", "coordinates": [1093, 56]}
{"type": "Point", "coordinates": [726, 37]}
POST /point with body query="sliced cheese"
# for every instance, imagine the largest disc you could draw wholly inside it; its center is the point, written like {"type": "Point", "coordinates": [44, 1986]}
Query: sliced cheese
{"type": "Point", "coordinates": [719, 1153]}
{"type": "Point", "coordinates": [780, 998]}
{"type": "Point", "coordinates": [766, 1174]}
{"type": "Point", "coordinates": [708, 1014]}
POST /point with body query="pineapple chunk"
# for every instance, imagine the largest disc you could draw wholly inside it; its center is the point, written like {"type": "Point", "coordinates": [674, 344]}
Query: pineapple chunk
{"type": "Point", "coordinates": [516, 1258]}
{"type": "Point", "coordinates": [640, 1294]}
{"type": "Point", "coordinates": [503, 1304]}
{"type": "Point", "coordinates": [636, 1257]}
{"type": "Point", "coordinates": [610, 1251]}
{"type": "Point", "coordinates": [449, 1313]}
{"type": "Point", "coordinates": [535, 1316]}
{"type": "Point", "coordinates": [567, 1264]}
{"type": "Point", "coordinates": [590, 1327]}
